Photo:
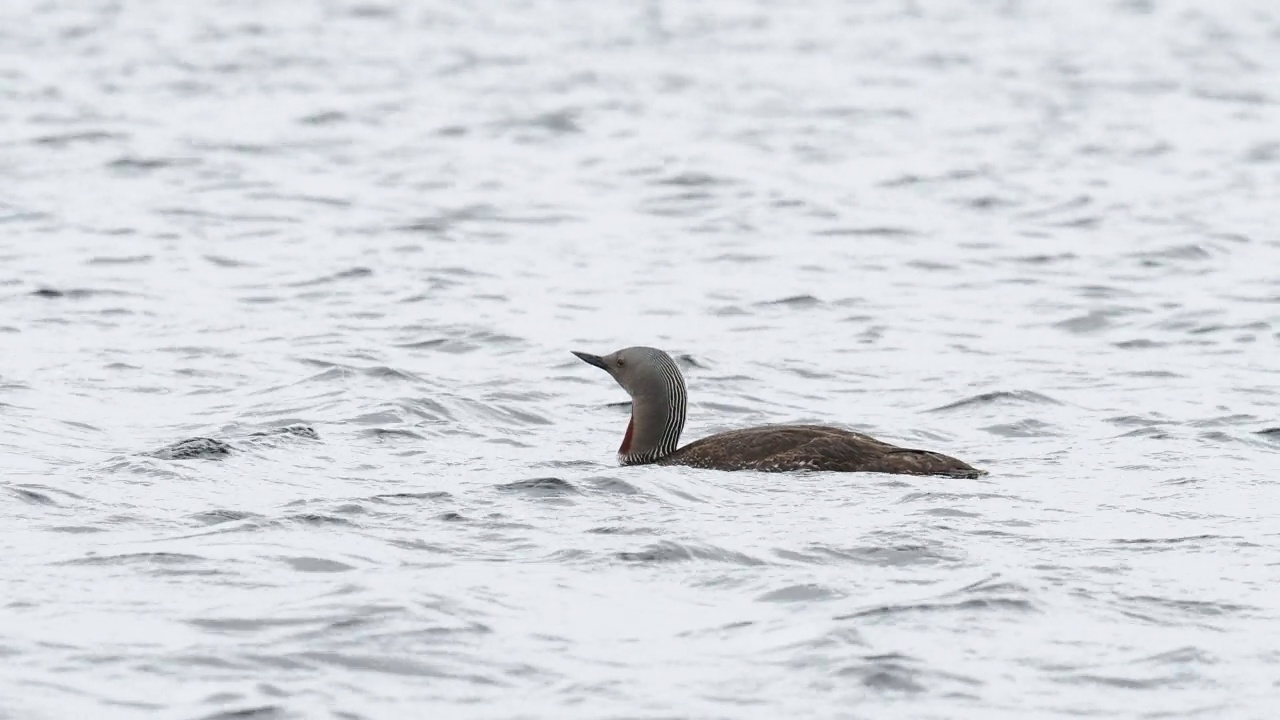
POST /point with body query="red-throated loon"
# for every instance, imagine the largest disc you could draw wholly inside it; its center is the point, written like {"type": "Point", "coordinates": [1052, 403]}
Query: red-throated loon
{"type": "Point", "coordinates": [658, 401]}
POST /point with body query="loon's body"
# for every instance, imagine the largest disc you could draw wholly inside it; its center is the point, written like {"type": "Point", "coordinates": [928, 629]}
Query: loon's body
{"type": "Point", "coordinates": [658, 402]}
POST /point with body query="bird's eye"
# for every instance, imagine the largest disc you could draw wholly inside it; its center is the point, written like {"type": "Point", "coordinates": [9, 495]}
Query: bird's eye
{"type": "Point", "coordinates": [620, 363]}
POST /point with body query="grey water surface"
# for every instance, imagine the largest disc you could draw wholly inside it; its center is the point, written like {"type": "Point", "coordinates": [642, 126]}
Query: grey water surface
{"type": "Point", "coordinates": [350, 243]}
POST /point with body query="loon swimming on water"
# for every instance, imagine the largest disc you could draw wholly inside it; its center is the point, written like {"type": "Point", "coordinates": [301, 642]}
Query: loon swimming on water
{"type": "Point", "coordinates": [658, 401]}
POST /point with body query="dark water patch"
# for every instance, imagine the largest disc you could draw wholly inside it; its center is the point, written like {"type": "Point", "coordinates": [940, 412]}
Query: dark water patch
{"type": "Point", "coordinates": [323, 200]}
{"type": "Point", "coordinates": [739, 257]}
{"type": "Point", "coordinates": [255, 624]}
{"type": "Point", "coordinates": [63, 140]}
{"type": "Point", "coordinates": [933, 497]}
{"type": "Point", "coordinates": [1184, 607]}
{"type": "Point", "coordinates": [1180, 656]}
{"type": "Point", "coordinates": [375, 418]}
{"type": "Point", "coordinates": [1183, 481]}
{"type": "Point", "coordinates": [327, 117]}
{"type": "Point", "coordinates": [1044, 259]}
{"type": "Point", "coordinates": [808, 374]}
{"type": "Point", "coordinates": [452, 517]}
{"type": "Point", "coordinates": [1151, 433]}
{"type": "Point", "coordinates": [389, 665]}
{"type": "Point", "coordinates": [76, 529]}
{"type": "Point", "coordinates": [29, 496]}
{"type": "Point", "coordinates": [225, 262]}
{"type": "Point", "coordinates": [806, 592]}
{"type": "Point", "coordinates": [134, 165]}
{"type": "Point", "coordinates": [219, 516]}
{"type": "Point", "coordinates": [348, 274]}
{"type": "Point", "coordinates": [383, 372]}
{"type": "Point", "coordinates": [1103, 292]}
{"type": "Point", "coordinates": [1225, 421]}
{"type": "Point", "coordinates": [669, 552]}
{"type": "Point", "coordinates": [78, 293]}
{"type": "Point", "coordinates": [319, 519]}
{"type": "Point", "coordinates": [199, 448]}
{"type": "Point", "coordinates": [613, 485]}
{"type": "Point", "coordinates": [878, 555]}
{"type": "Point", "coordinates": [621, 530]}
{"type": "Point", "coordinates": [510, 415]}
{"type": "Point", "coordinates": [885, 673]}
{"type": "Point", "coordinates": [1177, 253]}
{"type": "Point", "coordinates": [541, 487]}
{"type": "Point", "coordinates": [798, 302]}
{"type": "Point", "coordinates": [932, 265]}
{"type": "Point", "coordinates": [1157, 374]}
{"type": "Point", "coordinates": [1140, 344]}
{"type": "Point", "coordinates": [1091, 322]}
{"type": "Point", "coordinates": [1168, 541]}
{"type": "Point", "coordinates": [510, 442]}
{"type": "Point", "coordinates": [694, 179]}
{"type": "Point", "coordinates": [948, 512]}
{"type": "Point", "coordinates": [411, 498]}
{"type": "Point", "coordinates": [1026, 428]}
{"type": "Point", "coordinates": [260, 712]}
{"type": "Point", "coordinates": [120, 260]}
{"type": "Point", "coordinates": [146, 558]}
{"type": "Point", "coordinates": [427, 409]}
{"type": "Point", "coordinates": [1125, 683]}
{"type": "Point", "coordinates": [984, 604]}
{"type": "Point", "coordinates": [988, 202]}
{"type": "Point", "coordinates": [1270, 433]}
{"type": "Point", "coordinates": [687, 361]}
{"type": "Point", "coordinates": [1219, 437]}
{"type": "Point", "coordinates": [556, 122]}
{"type": "Point", "coordinates": [316, 565]}
{"type": "Point", "coordinates": [874, 231]}
{"type": "Point", "coordinates": [1000, 398]}
{"type": "Point", "coordinates": [293, 430]}
{"type": "Point", "coordinates": [453, 346]}
{"type": "Point", "coordinates": [388, 434]}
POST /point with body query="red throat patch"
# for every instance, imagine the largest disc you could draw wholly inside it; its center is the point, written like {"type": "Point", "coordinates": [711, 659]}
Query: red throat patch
{"type": "Point", "coordinates": [626, 439]}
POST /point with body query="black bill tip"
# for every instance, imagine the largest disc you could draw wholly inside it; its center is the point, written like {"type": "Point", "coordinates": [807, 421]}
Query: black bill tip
{"type": "Point", "coordinates": [591, 359]}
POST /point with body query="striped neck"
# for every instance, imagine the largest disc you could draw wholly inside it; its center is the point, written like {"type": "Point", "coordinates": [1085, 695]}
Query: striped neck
{"type": "Point", "coordinates": [657, 416]}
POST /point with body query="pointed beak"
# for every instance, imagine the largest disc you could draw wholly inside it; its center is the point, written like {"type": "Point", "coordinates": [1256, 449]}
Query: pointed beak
{"type": "Point", "coordinates": [591, 359]}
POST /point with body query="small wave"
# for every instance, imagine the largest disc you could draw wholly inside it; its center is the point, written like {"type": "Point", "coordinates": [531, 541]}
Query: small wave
{"type": "Point", "coordinates": [885, 675]}
{"type": "Point", "coordinates": [348, 274]}
{"type": "Point", "coordinates": [121, 260]}
{"type": "Point", "coordinates": [1029, 427]}
{"type": "Point", "coordinates": [319, 519]}
{"type": "Point", "coordinates": [32, 497]}
{"type": "Point", "coordinates": [79, 293]}
{"type": "Point", "coordinates": [545, 486]}
{"type": "Point", "coordinates": [219, 516]}
{"type": "Point", "coordinates": [198, 448]}
{"type": "Point", "coordinates": [874, 231]}
{"type": "Point", "coordinates": [144, 558]}
{"type": "Point", "coordinates": [621, 530]}
{"type": "Point", "coordinates": [1017, 604]}
{"type": "Point", "coordinates": [805, 592]}
{"type": "Point", "coordinates": [394, 498]}
{"type": "Point", "coordinates": [1000, 397]}
{"type": "Point", "coordinates": [613, 485]}
{"type": "Point", "coordinates": [1166, 541]}
{"type": "Point", "coordinates": [316, 565]}
{"type": "Point", "coordinates": [794, 301]}
{"type": "Point", "coordinates": [260, 712]}
{"type": "Point", "coordinates": [880, 555]}
{"type": "Point", "coordinates": [668, 552]}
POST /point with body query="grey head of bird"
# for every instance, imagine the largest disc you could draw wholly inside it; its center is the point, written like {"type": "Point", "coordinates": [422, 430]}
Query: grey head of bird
{"type": "Point", "coordinates": [658, 400]}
